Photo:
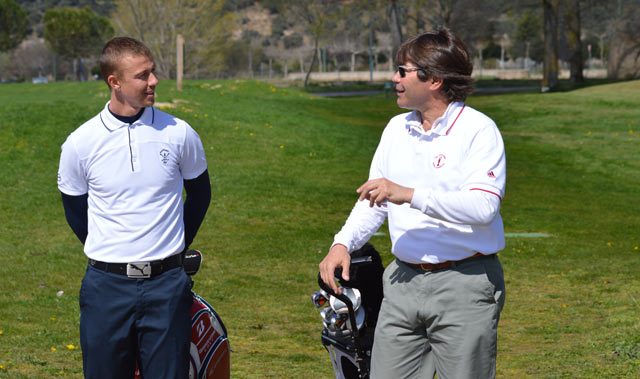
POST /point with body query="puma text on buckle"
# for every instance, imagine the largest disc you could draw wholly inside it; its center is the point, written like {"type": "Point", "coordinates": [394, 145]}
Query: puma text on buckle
{"type": "Point", "coordinates": [139, 270]}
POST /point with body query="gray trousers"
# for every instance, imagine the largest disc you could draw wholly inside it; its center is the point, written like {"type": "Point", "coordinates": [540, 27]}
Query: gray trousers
{"type": "Point", "coordinates": [442, 321]}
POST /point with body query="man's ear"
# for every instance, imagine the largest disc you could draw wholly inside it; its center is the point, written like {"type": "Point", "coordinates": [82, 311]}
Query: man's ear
{"type": "Point", "coordinates": [113, 82]}
{"type": "Point", "coordinates": [435, 83]}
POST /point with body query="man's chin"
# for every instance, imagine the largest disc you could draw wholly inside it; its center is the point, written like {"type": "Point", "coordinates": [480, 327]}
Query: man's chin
{"type": "Point", "coordinates": [402, 105]}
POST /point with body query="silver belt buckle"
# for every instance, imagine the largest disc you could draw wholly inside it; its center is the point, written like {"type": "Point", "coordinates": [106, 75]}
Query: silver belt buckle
{"type": "Point", "coordinates": [139, 270]}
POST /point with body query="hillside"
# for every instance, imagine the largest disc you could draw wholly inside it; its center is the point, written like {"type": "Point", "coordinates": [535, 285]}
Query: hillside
{"type": "Point", "coordinates": [36, 9]}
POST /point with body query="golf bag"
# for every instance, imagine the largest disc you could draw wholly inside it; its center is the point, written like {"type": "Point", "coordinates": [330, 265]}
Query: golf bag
{"type": "Point", "coordinates": [349, 319]}
{"type": "Point", "coordinates": [209, 353]}
{"type": "Point", "coordinates": [209, 343]}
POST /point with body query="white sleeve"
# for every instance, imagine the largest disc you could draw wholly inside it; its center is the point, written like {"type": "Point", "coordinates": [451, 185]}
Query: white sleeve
{"type": "Point", "coordinates": [71, 174]}
{"type": "Point", "coordinates": [478, 200]}
{"type": "Point", "coordinates": [475, 207]}
{"type": "Point", "coordinates": [360, 226]}
{"type": "Point", "coordinates": [193, 162]}
{"type": "Point", "coordinates": [485, 167]}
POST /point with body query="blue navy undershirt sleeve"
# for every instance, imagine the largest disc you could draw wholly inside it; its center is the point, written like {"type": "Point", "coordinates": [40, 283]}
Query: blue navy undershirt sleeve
{"type": "Point", "coordinates": [75, 211]}
{"type": "Point", "coordinates": [195, 205]}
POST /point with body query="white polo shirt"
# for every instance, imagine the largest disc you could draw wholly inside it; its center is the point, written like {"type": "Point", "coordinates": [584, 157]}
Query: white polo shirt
{"type": "Point", "coordinates": [458, 171]}
{"type": "Point", "coordinates": [134, 177]}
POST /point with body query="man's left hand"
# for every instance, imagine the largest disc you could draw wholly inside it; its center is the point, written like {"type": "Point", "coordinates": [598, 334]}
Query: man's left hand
{"type": "Point", "coordinates": [379, 190]}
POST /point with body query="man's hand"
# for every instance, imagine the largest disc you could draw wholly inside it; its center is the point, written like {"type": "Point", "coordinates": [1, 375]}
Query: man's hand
{"type": "Point", "coordinates": [337, 257]}
{"type": "Point", "coordinates": [379, 190]}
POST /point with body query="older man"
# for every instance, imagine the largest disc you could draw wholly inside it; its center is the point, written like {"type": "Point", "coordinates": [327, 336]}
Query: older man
{"type": "Point", "coordinates": [439, 176]}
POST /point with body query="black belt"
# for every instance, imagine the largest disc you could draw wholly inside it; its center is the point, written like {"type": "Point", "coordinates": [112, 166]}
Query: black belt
{"type": "Point", "coordinates": [140, 270]}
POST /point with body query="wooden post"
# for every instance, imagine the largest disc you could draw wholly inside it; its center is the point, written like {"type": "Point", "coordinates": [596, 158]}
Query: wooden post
{"type": "Point", "coordinates": [179, 60]}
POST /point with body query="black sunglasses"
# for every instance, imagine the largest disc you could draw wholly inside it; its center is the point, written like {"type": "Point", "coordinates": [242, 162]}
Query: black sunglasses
{"type": "Point", "coordinates": [404, 69]}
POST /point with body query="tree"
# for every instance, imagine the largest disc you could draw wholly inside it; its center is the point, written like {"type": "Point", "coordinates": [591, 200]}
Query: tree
{"type": "Point", "coordinates": [205, 25]}
{"type": "Point", "coordinates": [550, 69]}
{"type": "Point", "coordinates": [624, 50]}
{"type": "Point", "coordinates": [395, 23]}
{"type": "Point", "coordinates": [528, 36]}
{"type": "Point", "coordinates": [29, 59]}
{"type": "Point", "coordinates": [76, 33]}
{"type": "Point", "coordinates": [37, 8]}
{"type": "Point", "coordinates": [416, 22]}
{"type": "Point", "coordinates": [13, 24]}
{"type": "Point", "coordinates": [574, 32]}
{"type": "Point", "coordinates": [465, 18]}
{"type": "Point", "coordinates": [353, 29]}
{"type": "Point", "coordinates": [252, 40]}
{"type": "Point", "coordinates": [315, 16]}
{"type": "Point", "coordinates": [293, 40]}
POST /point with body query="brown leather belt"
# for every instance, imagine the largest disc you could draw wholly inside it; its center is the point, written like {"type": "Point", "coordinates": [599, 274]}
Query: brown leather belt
{"type": "Point", "coordinates": [441, 265]}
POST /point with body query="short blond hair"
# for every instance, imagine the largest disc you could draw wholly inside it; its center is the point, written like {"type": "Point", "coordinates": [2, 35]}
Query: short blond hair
{"type": "Point", "coordinates": [116, 49]}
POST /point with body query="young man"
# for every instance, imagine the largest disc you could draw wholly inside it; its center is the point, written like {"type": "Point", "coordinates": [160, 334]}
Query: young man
{"type": "Point", "coordinates": [121, 176]}
{"type": "Point", "coordinates": [439, 176]}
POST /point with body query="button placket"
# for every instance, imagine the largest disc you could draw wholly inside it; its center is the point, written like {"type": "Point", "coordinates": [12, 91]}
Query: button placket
{"type": "Point", "coordinates": [133, 147]}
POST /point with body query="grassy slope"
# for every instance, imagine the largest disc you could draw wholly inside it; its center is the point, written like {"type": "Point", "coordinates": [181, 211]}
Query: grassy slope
{"type": "Point", "coordinates": [284, 168]}
{"type": "Point", "coordinates": [572, 298]}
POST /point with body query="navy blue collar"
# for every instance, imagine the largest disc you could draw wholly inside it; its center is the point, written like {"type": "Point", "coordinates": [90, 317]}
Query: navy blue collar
{"type": "Point", "coordinates": [128, 119]}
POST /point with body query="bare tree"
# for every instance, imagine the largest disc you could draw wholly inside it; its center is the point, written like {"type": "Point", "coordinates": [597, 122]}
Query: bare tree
{"type": "Point", "coordinates": [346, 47]}
{"type": "Point", "coordinates": [385, 44]}
{"type": "Point", "coordinates": [550, 70]}
{"type": "Point", "coordinates": [442, 11]}
{"type": "Point", "coordinates": [315, 16]}
{"type": "Point", "coordinates": [30, 59]}
{"type": "Point", "coordinates": [351, 34]}
{"type": "Point", "coordinates": [395, 24]}
{"type": "Point", "coordinates": [205, 25]}
{"type": "Point", "coordinates": [624, 50]}
{"type": "Point", "coordinates": [464, 17]}
{"type": "Point", "coordinates": [293, 49]}
{"type": "Point", "coordinates": [416, 21]}
{"type": "Point", "coordinates": [574, 38]}
{"type": "Point", "coordinates": [529, 35]}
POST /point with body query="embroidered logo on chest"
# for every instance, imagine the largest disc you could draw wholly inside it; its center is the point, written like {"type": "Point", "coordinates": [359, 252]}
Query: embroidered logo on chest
{"type": "Point", "coordinates": [164, 156]}
{"type": "Point", "coordinates": [439, 160]}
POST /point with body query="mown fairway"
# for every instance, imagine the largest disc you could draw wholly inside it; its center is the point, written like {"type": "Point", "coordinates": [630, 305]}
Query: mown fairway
{"type": "Point", "coordinates": [284, 167]}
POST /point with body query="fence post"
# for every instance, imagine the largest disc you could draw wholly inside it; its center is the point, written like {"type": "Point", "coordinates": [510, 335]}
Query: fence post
{"type": "Point", "coordinates": [179, 60]}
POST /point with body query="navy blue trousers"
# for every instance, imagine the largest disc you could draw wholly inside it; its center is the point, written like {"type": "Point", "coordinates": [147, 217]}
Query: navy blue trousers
{"type": "Point", "coordinates": [125, 320]}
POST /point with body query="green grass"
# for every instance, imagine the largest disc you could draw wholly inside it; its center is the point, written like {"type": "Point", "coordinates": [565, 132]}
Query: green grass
{"type": "Point", "coordinates": [484, 83]}
{"type": "Point", "coordinates": [284, 167]}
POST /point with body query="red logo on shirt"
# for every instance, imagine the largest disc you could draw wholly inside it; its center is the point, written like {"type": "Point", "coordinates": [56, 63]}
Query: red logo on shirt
{"type": "Point", "coordinates": [491, 174]}
{"type": "Point", "coordinates": [438, 160]}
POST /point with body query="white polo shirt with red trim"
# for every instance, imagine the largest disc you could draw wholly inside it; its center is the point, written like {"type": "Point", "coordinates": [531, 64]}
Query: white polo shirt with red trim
{"type": "Point", "coordinates": [133, 174]}
{"type": "Point", "coordinates": [458, 173]}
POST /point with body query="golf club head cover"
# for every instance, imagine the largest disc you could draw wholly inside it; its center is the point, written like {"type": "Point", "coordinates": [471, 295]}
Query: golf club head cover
{"type": "Point", "coordinates": [191, 262]}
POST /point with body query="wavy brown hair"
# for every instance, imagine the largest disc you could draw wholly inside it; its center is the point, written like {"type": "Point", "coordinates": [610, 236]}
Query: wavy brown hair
{"type": "Point", "coordinates": [440, 54]}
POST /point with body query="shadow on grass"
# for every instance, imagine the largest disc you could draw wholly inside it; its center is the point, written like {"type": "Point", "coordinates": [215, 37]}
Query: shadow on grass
{"type": "Point", "coordinates": [567, 86]}
{"type": "Point", "coordinates": [483, 86]}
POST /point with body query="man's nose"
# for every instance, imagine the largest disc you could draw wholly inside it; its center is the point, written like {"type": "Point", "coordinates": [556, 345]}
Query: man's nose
{"type": "Point", "coordinates": [153, 80]}
{"type": "Point", "coordinates": [396, 77]}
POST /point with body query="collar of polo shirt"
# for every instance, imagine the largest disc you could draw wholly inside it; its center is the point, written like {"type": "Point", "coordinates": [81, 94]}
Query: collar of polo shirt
{"type": "Point", "coordinates": [112, 123]}
{"type": "Point", "coordinates": [441, 125]}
